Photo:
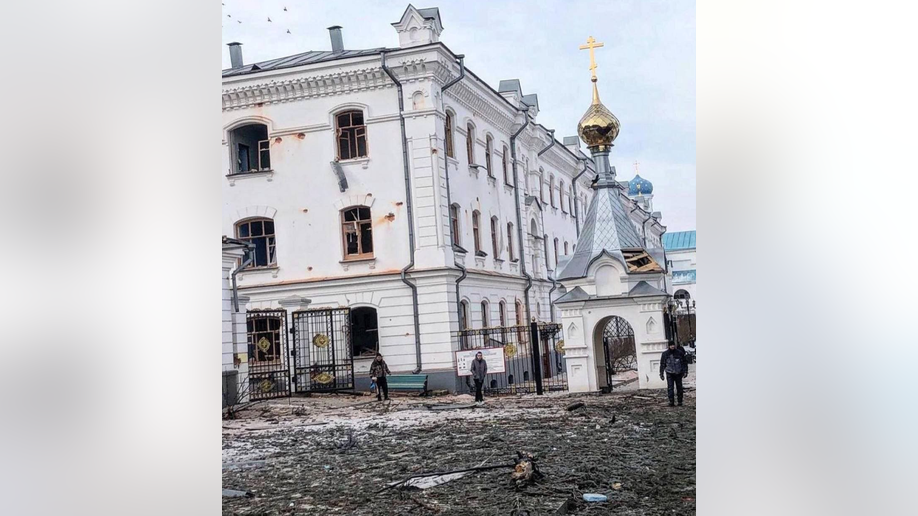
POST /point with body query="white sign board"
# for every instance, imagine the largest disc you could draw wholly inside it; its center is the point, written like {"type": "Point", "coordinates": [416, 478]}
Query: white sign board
{"type": "Point", "coordinates": [493, 356]}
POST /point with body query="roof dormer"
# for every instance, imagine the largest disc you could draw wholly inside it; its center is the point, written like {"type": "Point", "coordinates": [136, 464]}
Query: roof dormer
{"type": "Point", "coordinates": [418, 27]}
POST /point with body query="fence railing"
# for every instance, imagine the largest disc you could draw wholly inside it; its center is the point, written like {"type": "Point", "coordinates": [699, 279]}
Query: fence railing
{"type": "Point", "coordinates": [528, 368]}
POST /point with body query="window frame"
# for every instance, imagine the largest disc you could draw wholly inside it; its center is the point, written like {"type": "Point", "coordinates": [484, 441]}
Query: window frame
{"type": "Point", "coordinates": [551, 190]}
{"type": "Point", "coordinates": [510, 242]}
{"type": "Point", "coordinates": [485, 314]}
{"type": "Point", "coordinates": [561, 195]}
{"type": "Point", "coordinates": [489, 151]}
{"type": "Point", "coordinates": [556, 252]}
{"type": "Point", "coordinates": [495, 239]}
{"type": "Point", "coordinates": [448, 142]}
{"type": "Point", "coordinates": [358, 230]}
{"type": "Point", "coordinates": [470, 143]}
{"type": "Point", "coordinates": [454, 213]}
{"type": "Point", "coordinates": [476, 231]}
{"type": "Point", "coordinates": [359, 131]}
{"type": "Point", "coordinates": [503, 160]}
{"type": "Point", "coordinates": [270, 248]}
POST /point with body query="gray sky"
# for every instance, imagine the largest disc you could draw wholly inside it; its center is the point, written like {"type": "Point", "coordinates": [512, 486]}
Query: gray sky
{"type": "Point", "coordinates": [646, 68]}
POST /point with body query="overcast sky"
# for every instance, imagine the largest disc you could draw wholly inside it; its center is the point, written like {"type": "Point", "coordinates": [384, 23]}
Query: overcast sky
{"type": "Point", "coordinates": [646, 68]}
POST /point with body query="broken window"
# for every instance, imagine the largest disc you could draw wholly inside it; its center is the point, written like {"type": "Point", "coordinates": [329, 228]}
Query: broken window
{"type": "Point", "coordinates": [264, 337]}
{"type": "Point", "coordinates": [351, 132]}
{"type": "Point", "coordinates": [450, 151]}
{"type": "Point", "coordinates": [259, 232]}
{"type": "Point", "coordinates": [495, 247]}
{"type": "Point", "coordinates": [489, 144]}
{"type": "Point", "coordinates": [639, 261]}
{"type": "Point", "coordinates": [357, 233]}
{"type": "Point", "coordinates": [476, 217]}
{"type": "Point", "coordinates": [365, 331]}
{"type": "Point", "coordinates": [454, 223]}
{"type": "Point", "coordinates": [485, 314]}
{"type": "Point", "coordinates": [519, 313]}
{"type": "Point", "coordinates": [248, 139]}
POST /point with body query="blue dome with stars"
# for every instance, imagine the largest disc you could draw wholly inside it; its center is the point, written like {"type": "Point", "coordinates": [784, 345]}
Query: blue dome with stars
{"type": "Point", "coordinates": [639, 185]}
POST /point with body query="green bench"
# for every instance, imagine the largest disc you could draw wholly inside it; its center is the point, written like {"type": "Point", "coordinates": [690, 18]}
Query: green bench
{"type": "Point", "coordinates": [408, 382]}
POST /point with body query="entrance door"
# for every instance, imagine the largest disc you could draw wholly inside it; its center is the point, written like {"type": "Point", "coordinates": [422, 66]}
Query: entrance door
{"type": "Point", "coordinates": [323, 359]}
{"type": "Point", "coordinates": [618, 347]}
{"type": "Point", "coordinates": [269, 371]}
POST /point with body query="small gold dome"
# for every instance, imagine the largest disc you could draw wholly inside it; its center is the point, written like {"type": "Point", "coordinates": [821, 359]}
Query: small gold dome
{"type": "Point", "coordinates": [598, 127]}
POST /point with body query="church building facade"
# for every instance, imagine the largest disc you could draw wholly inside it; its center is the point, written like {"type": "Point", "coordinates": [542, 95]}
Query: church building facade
{"type": "Point", "coordinates": [396, 184]}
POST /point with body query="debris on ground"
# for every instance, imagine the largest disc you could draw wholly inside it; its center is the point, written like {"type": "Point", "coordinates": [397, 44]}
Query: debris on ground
{"type": "Point", "coordinates": [361, 459]}
{"type": "Point", "coordinates": [233, 493]}
{"type": "Point", "coordinates": [595, 497]}
{"type": "Point", "coordinates": [575, 406]}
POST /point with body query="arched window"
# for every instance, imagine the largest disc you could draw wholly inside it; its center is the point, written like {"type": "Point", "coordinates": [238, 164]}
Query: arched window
{"type": "Point", "coordinates": [454, 223]}
{"type": "Point", "coordinates": [503, 161]}
{"type": "Point", "coordinates": [489, 144]}
{"type": "Point", "coordinates": [251, 148]}
{"type": "Point", "coordinates": [570, 197]}
{"type": "Point", "coordinates": [542, 185]}
{"type": "Point", "coordinates": [538, 313]}
{"type": "Point", "coordinates": [556, 252]}
{"type": "Point", "coordinates": [561, 195]}
{"type": "Point", "coordinates": [551, 189]}
{"type": "Point", "coordinates": [502, 309]}
{"type": "Point", "coordinates": [470, 143]}
{"type": "Point", "coordinates": [495, 238]}
{"type": "Point", "coordinates": [485, 314]}
{"type": "Point", "coordinates": [351, 132]}
{"type": "Point", "coordinates": [565, 248]}
{"type": "Point", "coordinates": [476, 233]}
{"type": "Point", "coordinates": [357, 233]}
{"type": "Point", "coordinates": [510, 241]}
{"type": "Point", "coordinates": [463, 315]}
{"type": "Point", "coordinates": [448, 138]}
{"type": "Point", "coordinates": [259, 232]}
{"type": "Point", "coordinates": [545, 243]}
{"type": "Point", "coordinates": [519, 313]}
{"type": "Point", "coordinates": [682, 294]}
{"type": "Point", "coordinates": [364, 331]}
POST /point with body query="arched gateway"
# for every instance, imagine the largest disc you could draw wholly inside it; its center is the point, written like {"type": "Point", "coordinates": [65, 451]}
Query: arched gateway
{"type": "Point", "coordinates": [615, 351]}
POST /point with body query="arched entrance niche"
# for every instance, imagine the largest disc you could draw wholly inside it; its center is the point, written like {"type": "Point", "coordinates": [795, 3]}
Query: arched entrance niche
{"type": "Point", "coordinates": [614, 348]}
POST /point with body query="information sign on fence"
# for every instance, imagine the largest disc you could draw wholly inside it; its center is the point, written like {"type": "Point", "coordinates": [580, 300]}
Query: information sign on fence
{"type": "Point", "coordinates": [493, 356]}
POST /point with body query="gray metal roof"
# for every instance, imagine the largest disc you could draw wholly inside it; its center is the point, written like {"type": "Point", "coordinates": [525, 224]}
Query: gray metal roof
{"type": "Point", "coordinates": [607, 228]}
{"type": "Point", "coordinates": [531, 100]}
{"type": "Point", "coordinates": [510, 85]}
{"type": "Point", "coordinates": [645, 289]}
{"type": "Point", "coordinates": [578, 294]}
{"type": "Point", "coordinates": [430, 12]}
{"type": "Point", "coordinates": [306, 58]}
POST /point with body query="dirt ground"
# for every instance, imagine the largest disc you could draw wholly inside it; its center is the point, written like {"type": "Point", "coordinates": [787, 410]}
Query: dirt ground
{"type": "Point", "coordinates": [334, 454]}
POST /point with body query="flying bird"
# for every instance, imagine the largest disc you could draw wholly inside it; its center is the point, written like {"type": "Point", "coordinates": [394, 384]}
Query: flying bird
{"type": "Point", "coordinates": [285, 8]}
{"type": "Point", "coordinates": [239, 21]}
{"type": "Point", "coordinates": [228, 16]}
{"type": "Point", "coordinates": [269, 19]}
{"type": "Point", "coordinates": [288, 31]}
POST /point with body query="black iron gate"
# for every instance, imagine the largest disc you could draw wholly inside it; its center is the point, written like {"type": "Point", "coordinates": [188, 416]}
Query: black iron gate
{"type": "Point", "coordinates": [323, 360]}
{"type": "Point", "coordinates": [528, 368]}
{"type": "Point", "coordinates": [618, 348]}
{"type": "Point", "coordinates": [269, 368]}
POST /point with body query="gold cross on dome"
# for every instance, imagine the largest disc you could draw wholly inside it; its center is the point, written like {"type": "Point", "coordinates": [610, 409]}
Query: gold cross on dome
{"type": "Point", "coordinates": [636, 168]}
{"type": "Point", "coordinates": [592, 44]}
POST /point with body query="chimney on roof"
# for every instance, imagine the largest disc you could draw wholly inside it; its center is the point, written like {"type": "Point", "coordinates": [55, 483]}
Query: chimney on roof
{"type": "Point", "coordinates": [235, 54]}
{"type": "Point", "coordinates": [337, 40]}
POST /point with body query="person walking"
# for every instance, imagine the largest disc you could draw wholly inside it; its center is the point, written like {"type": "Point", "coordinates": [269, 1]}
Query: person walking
{"type": "Point", "coordinates": [378, 372]}
{"type": "Point", "coordinates": [479, 370]}
{"type": "Point", "coordinates": [675, 365]}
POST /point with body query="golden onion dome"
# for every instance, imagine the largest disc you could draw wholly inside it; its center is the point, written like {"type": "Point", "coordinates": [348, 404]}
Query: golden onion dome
{"type": "Point", "coordinates": [598, 127]}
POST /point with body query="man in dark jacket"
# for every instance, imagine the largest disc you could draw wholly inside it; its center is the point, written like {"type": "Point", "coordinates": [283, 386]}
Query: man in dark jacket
{"type": "Point", "coordinates": [479, 370]}
{"type": "Point", "coordinates": [675, 365]}
{"type": "Point", "coordinates": [378, 372]}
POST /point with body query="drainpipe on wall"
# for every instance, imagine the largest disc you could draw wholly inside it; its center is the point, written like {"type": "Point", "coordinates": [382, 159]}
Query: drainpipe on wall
{"type": "Point", "coordinates": [665, 262]}
{"type": "Point", "coordinates": [247, 259]}
{"type": "Point", "coordinates": [644, 229]}
{"type": "Point", "coordinates": [519, 214]}
{"type": "Point", "coordinates": [449, 200]}
{"type": "Point", "coordinates": [551, 134]}
{"type": "Point", "coordinates": [554, 283]}
{"type": "Point", "coordinates": [583, 161]}
{"type": "Point", "coordinates": [412, 286]}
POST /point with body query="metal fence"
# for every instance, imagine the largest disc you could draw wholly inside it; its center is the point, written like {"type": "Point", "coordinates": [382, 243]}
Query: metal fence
{"type": "Point", "coordinates": [528, 368]}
